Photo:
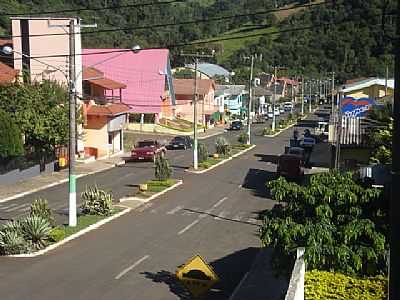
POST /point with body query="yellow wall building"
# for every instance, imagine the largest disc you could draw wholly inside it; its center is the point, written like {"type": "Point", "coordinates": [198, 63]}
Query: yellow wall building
{"type": "Point", "coordinates": [373, 88]}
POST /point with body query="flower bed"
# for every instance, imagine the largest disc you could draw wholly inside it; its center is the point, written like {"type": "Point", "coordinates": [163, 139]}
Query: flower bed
{"type": "Point", "coordinates": [329, 285]}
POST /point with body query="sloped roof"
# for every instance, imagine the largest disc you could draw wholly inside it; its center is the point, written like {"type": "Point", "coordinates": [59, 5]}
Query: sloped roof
{"type": "Point", "coordinates": [143, 74]}
{"type": "Point", "coordinates": [91, 73]}
{"type": "Point", "coordinates": [366, 83]}
{"type": "Point", "coordinates": [230, 89]}
{"type": "Point", "coordinates": [5, 42]}
{"type": "Point", "coordinates": [112, 109]}
{"type": "Point", "coordinates": [7, 74]}
{"type": "Point", "coordinates": [186, 86]}
{"type": "Point", "coordinates": [210, 70]}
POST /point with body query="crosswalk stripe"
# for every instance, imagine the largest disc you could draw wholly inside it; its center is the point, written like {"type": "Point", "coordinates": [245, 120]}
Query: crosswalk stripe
{"type": "Point", "coordinates": [8, 206]}
{"type": "Point", "coordinates": [17, 207]}
{"type": "Point", "coordinates": [221, 215]}
{"type": "Point", "coordinates": [174, 210]}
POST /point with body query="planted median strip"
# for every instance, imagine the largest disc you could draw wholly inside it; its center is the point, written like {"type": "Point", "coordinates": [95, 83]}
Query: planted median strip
{"type": "Point", "coordinates": [39, 232]}
{"type": "Point", "coordinates": [224, 152]}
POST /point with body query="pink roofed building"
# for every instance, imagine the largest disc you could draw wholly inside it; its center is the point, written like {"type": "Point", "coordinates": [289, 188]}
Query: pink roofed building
{"type": "Point", "coordinates": [147, 76]}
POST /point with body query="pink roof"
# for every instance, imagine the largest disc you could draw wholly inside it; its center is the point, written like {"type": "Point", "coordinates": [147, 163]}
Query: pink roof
{"type": "Point", "coordinates": [139, 71]}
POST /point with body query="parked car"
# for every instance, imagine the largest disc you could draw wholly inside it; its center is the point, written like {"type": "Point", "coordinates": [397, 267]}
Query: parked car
{"type": "Point", "coordinates": [266, 117]}
{"type": "Point", "coordinates": [291, 165]}
{"type": "Point", "coordinates": [277, 112]}
{"type": "Point", "coordinates": [148, 150]}
{"type": "Point", "coordinates": [236, 125]}
{"type": "Point", "coordinates": [288, 106]}
{"type": "Point", "coordinates": [281, 110]}
{"type": "Point", "coordinates": [180, 142]}
{"type": "Point", "coordinates": [270, 115]}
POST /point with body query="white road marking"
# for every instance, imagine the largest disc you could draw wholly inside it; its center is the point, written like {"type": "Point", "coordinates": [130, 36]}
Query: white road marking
{"type": "Point", "coordinates": [188, 227]}
{"type": "Point", "coordinates": [252, 220]}
{"type": "Point", "coordinates": [221, 215]}
{"type": "Point", "coordinates": [9, 206]}
{"type": "Point", "coordinates": [238, 217]}
{"type": "Point", "coordinates": [144, 207]}
{"type": "Point", "coordinates": [174, 210]}
{"type": "Point", "coordinates": [17, 207]}
{"type": "Point", "coordinates": [219, 202]}
{"type": "Point", "coordinates": [131, 267]}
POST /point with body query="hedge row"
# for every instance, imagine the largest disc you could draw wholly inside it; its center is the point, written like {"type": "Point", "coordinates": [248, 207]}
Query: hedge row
{"type": "Point", "coordinates": [328, 285]}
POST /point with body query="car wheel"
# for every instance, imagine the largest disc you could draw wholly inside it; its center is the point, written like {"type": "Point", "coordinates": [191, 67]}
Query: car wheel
{"type": "Point", "coordinates": [184, 147]}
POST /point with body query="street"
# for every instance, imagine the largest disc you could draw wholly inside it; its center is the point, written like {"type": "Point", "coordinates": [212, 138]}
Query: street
{"type": "Point", "coordinates": [135, 256]}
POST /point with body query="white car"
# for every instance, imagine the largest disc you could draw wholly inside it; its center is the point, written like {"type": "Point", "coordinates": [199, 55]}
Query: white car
{"type": "Point", "coordinates": [270, 115]}
{"type": "Point", "coordinates": [281, 110]}
{"type": "Point", "coordinates": [277, 112]}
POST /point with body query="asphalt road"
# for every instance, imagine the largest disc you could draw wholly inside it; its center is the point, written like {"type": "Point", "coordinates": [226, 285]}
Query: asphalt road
{"type": "Point", "coordinates": [136, 256]}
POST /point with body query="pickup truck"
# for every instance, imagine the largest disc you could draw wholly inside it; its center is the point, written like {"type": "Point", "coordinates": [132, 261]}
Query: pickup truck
{"type": "Point", "coordinates": [148, 150]}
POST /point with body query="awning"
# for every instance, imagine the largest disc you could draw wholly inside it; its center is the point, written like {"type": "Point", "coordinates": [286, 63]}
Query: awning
{"type": "Point", "coordinates": [107, 84]}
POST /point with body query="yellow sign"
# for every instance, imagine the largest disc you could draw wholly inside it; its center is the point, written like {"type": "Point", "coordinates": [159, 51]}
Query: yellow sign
{"type": "Point", "coordinates": [197, 276]}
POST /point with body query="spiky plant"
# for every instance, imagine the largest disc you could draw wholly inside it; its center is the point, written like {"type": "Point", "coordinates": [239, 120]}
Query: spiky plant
{"type": "Point", "coordinates": [222, 146]}
{"type": "Point", "coordinates": [40, 207]}
{"type": "Point", "coordinates": [37, 230]}
{"type": "Point", "coordinates": [12, 226]}
{"type": "Point", "coordinates": [96, 201]}
{"type": "Point", "coordinates": [12, 242]}
{"type": "Point", "coordinates": [202, 152]}
{"type": "Point", "coordinates": [162, 169]}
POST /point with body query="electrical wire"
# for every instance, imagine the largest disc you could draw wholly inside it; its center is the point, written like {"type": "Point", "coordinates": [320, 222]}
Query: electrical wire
{"type": "Point", "coordinates": [162, 25]}
{"type": "Point", "coordinates": [153, 3]}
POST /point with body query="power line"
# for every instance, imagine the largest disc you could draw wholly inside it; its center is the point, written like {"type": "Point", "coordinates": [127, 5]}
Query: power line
{"type": "Point", "coordinates": [153, 3]}
{"type": "Point", "coordinates": [161, 25]}
{"type": "Point", "coordinates": [191, 43]}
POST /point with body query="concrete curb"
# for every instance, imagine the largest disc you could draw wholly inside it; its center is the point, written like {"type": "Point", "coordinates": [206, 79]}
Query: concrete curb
{"type": "Point", "coordinates": [73, 236]}
{"type": "Point", "coordinates": [211, 135]}
{"type": "Point", "coordinates": [145, 200]}
{"type": "Point", "coordinates": [59, 182]}
{"type": "Point", "coordinates": [280, 131]}
{"type": "Point", "coordinates": [221, 162]}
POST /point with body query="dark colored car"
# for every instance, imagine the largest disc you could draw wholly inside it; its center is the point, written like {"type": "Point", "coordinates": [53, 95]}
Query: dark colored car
{"type": "Point", "coordinates": [236, 125]}
{"type": "Point", "coordinates": [290, 166]}
{"type": "Point", "coordinates": [180, 142]}
{"type": "Point", "coordinates": [147, 150]}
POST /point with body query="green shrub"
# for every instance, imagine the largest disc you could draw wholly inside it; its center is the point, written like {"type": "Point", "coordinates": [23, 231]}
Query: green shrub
{"type": "Point", "coordinates": [321, 285]}
{"type": "Point", "coordinates": [40, 207]}
{"type": "Point", "coordinates": [222, 146]}
{"type": "Point", "coordinates": [162, 169]}
{"type": "Point", "coordinates": [243, 138]}
{"type": "Point", "coordinates": [342, 225]}
{"type": "Point", "coordinates": [36, 230]}
{"type": "Point", "coordinates": [11, 144]}
{"type": "Point", "coordinates": [96, 201]}
{"type": "Point", "coordinates": [202, 152]}
{"type": "Point", "coordinates": [268, 131]}
{"type": "Point", "coordinates": [12, 242]}
{"type": "Point", "coordinates": [57, 234]}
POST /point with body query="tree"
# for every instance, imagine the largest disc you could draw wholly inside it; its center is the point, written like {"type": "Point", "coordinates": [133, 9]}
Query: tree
{"type": "Point", "coordinates": [40, 111]}
{"type": "Point", "coordinates": [11, 144]}
{"type": "Point", "coordinates": [341, 224]}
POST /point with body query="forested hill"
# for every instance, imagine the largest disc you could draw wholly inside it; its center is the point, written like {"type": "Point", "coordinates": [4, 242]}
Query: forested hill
{"type": "Point", "coordinates": [355, 44]}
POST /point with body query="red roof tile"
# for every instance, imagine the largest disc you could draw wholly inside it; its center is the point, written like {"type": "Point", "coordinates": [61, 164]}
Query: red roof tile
{"type": "Point", "coordinates": [7, 74]}
{"type": "Point", "coordinates": [108, 84]}
{"type": "Point", "coordinates": [186, 86]}
{"type": "Point", "coordinates": [107, 110]}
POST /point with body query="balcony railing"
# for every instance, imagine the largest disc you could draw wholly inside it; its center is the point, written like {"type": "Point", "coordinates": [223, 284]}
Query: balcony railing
{"type": "Point", "coordinates": [102, 100]}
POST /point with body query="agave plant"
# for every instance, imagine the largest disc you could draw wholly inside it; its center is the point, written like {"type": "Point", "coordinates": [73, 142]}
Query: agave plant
{"type": "Point", "coordinates": [96, 201]}
{"type": "Point", "coordinates": [222, 146]}
{"type": "Point", "coordinates": [12, 226]}
{"type": "Point", "coordinates": [37, 230]}
{"type": "Point", "coordinates": [40, 207]}
{"type": "Point", "coordinates": [12, 242]}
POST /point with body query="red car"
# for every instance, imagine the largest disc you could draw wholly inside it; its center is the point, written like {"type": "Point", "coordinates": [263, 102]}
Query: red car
{"type": "Point", "coordinates": [148, 150]}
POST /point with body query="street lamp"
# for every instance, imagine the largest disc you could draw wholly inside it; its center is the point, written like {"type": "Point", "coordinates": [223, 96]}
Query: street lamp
{"type": "Point", "coordinates": [71, 78]}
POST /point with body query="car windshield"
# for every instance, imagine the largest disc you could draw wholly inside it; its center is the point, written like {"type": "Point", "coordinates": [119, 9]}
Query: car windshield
{"type": "Point", "coordinates": [236, 123]}
{"type": "Point", "coordinates": [178, 139]}
{"type": "Point", "coordinates": [146, 144]}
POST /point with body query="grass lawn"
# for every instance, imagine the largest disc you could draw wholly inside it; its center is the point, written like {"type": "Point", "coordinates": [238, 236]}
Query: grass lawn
{"type": "Point", "coordinates": [212, 161]}
{"type": "Point", "coordinates": [155, 186]}
{"type": "Point", "coordinates": [85, 221]}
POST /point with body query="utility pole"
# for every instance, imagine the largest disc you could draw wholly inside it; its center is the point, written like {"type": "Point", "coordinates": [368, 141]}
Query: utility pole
{"type": "Point", "coordinates": [332, 91]}
{"type": "Point", "coordinates": [386, 79]}
{"type": "Point", "coordinates": [72, 218]}
{"type": "Point", "coordinates": [273, 100]}
{"type": "Point", "coordinates": [338, 134]}
{"type": "Point", "coordinates": [302, 95]}
{"type": "Point", "coordinates": [195, 100]}
{"type": "Point", "coordinates": [394, 206]}
{"type": "Point", "coordinates": [309, 104]}
{"type": "Point", "coordinates": [250, 99]}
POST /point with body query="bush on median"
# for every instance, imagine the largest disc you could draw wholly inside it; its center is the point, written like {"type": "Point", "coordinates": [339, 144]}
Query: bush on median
{"type": "Point", "coordinates": [162, 169]}
{"type": "Point", "coordinates": [96, 201]}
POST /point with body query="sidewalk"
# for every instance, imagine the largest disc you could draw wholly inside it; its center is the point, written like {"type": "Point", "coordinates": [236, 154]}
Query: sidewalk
{"type": "Point", "coordinates": [34, 184]}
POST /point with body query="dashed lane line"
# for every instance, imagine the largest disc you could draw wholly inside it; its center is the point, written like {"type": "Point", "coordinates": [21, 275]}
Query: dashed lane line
{"type": "Point", "coordinates": [131, 267]}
